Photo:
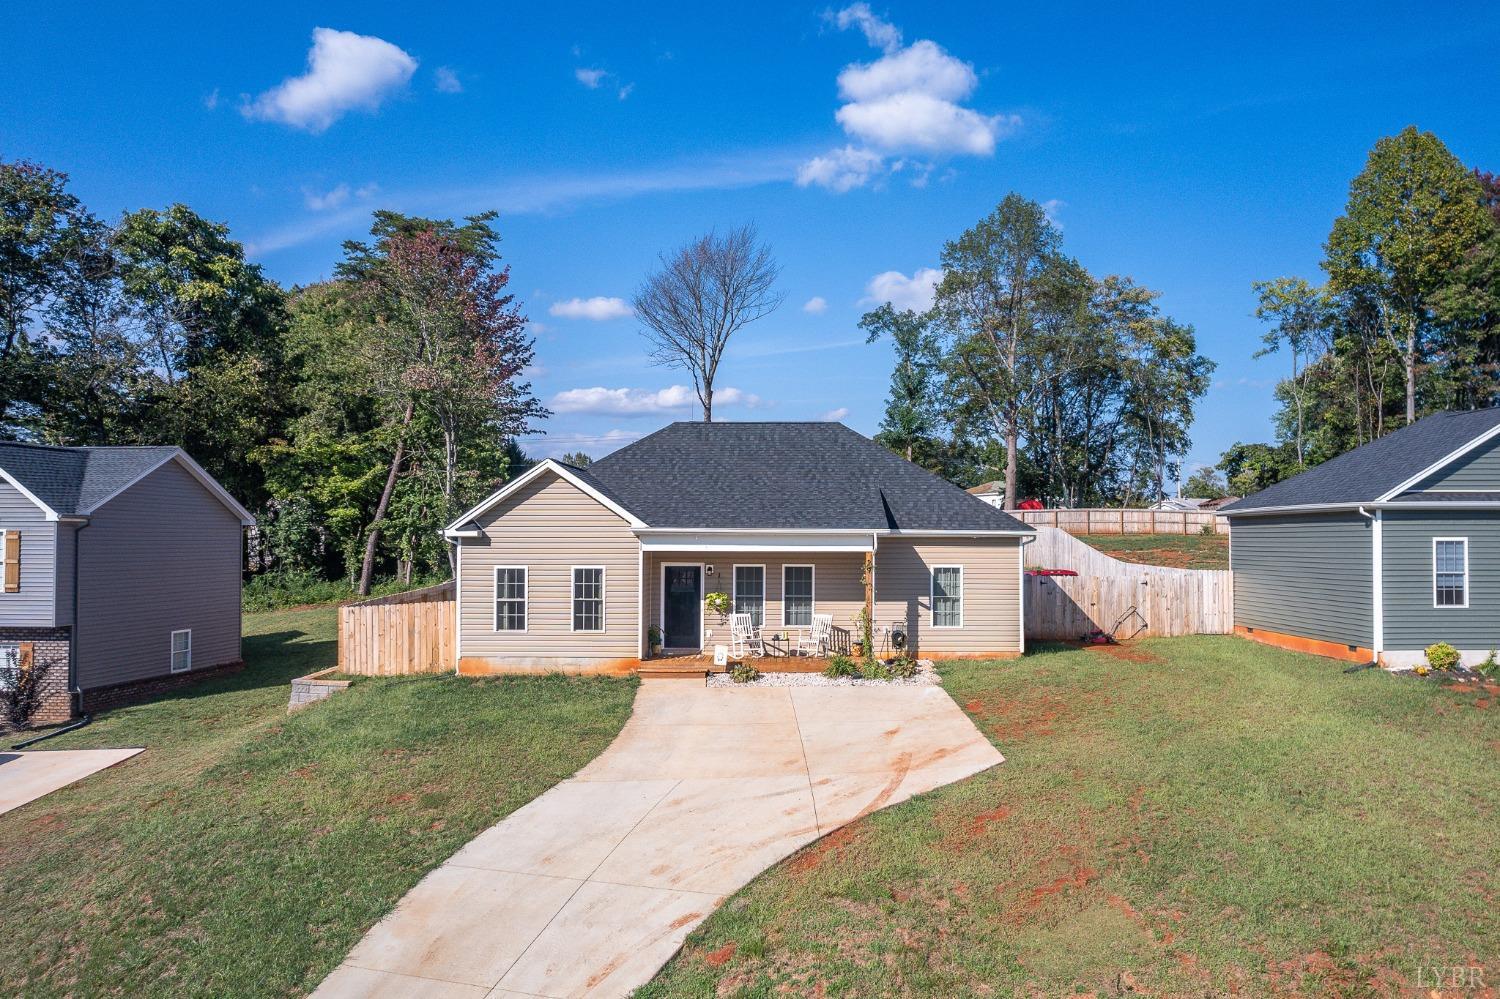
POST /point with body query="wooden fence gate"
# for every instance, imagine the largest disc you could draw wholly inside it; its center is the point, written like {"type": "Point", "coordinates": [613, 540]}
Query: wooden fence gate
{"type": "Point", "coordinates": [1133, 601]}
{"type": "Point", "coordinates": [412, 632]}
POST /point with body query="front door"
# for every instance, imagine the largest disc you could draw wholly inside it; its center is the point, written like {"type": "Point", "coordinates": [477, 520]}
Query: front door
{"type": "Point", "coordinates": [682, 607]}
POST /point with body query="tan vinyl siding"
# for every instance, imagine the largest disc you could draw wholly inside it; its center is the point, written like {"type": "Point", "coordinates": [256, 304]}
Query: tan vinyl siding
{"type": "Point", "coordinates": [33, 604]}
{"type": "Point", "coordinates": [163, 556]}
{"type": "Point", "coordinates": [837, 589]}
{"type": "Point", "coordinates": [549, 526]}
{"type": "Point", "coordinates": [991, 592]}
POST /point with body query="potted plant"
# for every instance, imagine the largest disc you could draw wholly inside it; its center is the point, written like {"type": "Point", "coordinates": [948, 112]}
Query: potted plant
{"type": "Point", "coordinates": [717, 602]}
{"type": "Point", "coordinates": [653, 640]}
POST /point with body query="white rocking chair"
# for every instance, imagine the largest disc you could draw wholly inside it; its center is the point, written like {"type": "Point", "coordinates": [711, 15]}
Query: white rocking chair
{"type": "Point", "coordinates": [744, 637]}
{"type": "Point", "coordinates": [819, 637]}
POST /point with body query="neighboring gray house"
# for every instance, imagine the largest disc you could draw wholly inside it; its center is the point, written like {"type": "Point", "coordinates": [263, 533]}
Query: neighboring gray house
{"type": "Point", "coordinates": [122, 570]}
{"type": "Point", "coordinates": [1380, 552]}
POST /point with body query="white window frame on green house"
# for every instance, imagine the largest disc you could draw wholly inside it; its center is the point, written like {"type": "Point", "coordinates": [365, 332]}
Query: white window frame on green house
{"type": "Point", "coordinates": [185, 651]}
{"type": "Point", "coordinates": [932, 597]}
{"type": "Point", "coordinates": [812, 593]}
{"type": "Point", "coordinates": [734, 592]}
{"type": "Point", "coordinates": [1438, 573]}
{"type": "Point", "coordinates": [576, 599]}
{"type": "Point", "coordinates": [524, 599]}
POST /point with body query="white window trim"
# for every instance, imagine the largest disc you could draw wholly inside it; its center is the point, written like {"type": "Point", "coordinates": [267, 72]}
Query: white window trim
{"type": "Point", "coordinates": [5, 677]}
{"type": "Point", "coordinates": [734, 587]}
{"type": "Point", "coordinates": [812, 604]}
{"type": "Point", "coordinates": [573, 601]}
{"type": "Point", "coordinates": [3, 594]}
{"type": "Point", "coordinates": [1435, 604]}
{"type": "Point", "coordinates": [932, 598]}
{"type": "Point", "coordinates": [525, 600]}
{"type": "Point", "coordinates": [172, 650]}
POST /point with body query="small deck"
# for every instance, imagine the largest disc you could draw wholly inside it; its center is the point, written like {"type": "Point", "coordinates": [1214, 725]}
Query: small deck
{"type": "Point", "coordinates": [696, 666]}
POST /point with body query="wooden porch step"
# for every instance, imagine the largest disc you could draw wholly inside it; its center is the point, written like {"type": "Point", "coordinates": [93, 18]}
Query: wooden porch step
{"type": "Point", "coordinates": [650, 673]}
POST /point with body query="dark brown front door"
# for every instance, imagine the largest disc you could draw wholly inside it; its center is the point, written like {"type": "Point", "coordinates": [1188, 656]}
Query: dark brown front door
{"type": "Point", "coordinates": [682, 603]}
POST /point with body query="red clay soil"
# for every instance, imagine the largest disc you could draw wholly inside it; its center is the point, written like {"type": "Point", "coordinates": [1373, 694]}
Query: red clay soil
{"type": "Point", "coordinates": [717, 958]}
{"type": "Point", "coordinates": [1124, 651]}
{"type": "Point", "coordinates": [810, 858]}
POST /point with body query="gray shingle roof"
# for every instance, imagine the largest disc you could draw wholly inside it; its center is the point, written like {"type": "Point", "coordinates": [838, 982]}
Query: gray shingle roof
{"type": "Point", "coordinates": [1369, 472]}
{"type": "Point", "coordinates": [789, 476]}
{"type": "Point", "coordinates": [71, 480]}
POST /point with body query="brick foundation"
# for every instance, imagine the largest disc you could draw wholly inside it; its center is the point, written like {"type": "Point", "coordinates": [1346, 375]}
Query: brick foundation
{"type": "Point", "coordinates": [133, 692]}
{"type": "Point", "coordinates": [50, 648]}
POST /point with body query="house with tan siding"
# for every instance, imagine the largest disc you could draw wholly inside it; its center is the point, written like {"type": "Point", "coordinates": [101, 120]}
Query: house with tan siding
{"type": "Point", "coordinates": [569, 568]}
{"type": "Point", "coordinates": [122, 573]}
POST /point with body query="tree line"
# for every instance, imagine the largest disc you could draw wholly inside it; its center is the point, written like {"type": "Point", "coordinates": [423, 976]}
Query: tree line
{"type": "Point", "coordinates": [1070, 388]}
{"type": "Point", "coordinates": [356, 416]}
{"type": "Point", "coordinates": [1405, 321]}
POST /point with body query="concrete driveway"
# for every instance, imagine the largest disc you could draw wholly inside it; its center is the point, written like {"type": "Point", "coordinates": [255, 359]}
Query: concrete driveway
{"type": "Point", "coordinates": [28, 776]}
{"type": "Point", "coordinates": [592, 887]}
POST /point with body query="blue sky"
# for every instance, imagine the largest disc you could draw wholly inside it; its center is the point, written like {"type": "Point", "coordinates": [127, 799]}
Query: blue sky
{"type": "Point", "coordinates": [1193, 148]}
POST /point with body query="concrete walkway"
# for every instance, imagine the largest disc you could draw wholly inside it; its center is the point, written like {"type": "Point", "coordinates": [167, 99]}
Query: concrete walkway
{"type": "Point", "coordinates": [28, 776]}
{"type": "Point", "coordinates": [592, 887]}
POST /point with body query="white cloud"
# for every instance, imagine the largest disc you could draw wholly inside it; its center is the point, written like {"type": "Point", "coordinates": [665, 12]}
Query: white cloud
{"type": "Point", "coordinates": [907, 101]}
{"type": "Point", "coordinates": [922, 67]}
{"type": "Point", "coordinates": [326, 200]}
{"type": "Point", "coordinates": [835, 415]}
{"type": "Point", "coordinates": [447, 81]}
{"type": "Point", "coordinates": [211, 101]}
{"type": "Point", "coordinates": [1052, 206]}
{"type": "Point", "coordinates": [626, 91]}
{"type": "Point", "coordinates": [590, 78]}
{"type": "Point", "coordinates": [817, 305]}
{"type": "Point", "coordinates": [345, 71]}
{"type": "Point", "coordinates": [597, 309]}
{"type": "Point", "coordinates": [596, 445]}
{"type": "Point", "coordinates": [841, 170]}
{"type": "Point", "coordinates": [880, 33]}
{"type": "Point", "coordinates": [642, 402]}
{"type": "Point", "coordinates": [904, 292]}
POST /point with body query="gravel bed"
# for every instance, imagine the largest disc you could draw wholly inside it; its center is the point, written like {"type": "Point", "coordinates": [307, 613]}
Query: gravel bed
{"type": "Point", "coordinates": [926, 676]}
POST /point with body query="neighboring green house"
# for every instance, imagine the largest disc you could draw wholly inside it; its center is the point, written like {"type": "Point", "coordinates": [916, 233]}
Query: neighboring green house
{"type": "Point", "coordinates": [1381, 552]}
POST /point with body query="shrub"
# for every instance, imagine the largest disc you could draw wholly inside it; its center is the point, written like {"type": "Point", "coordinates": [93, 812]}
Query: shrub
{"type": "Point", "coordinates": [743, 672]}
{"type": "Point", "coordinates": [279, 590]}
{"type": "Point", "coordinates": [717, 603]}
{"type": "Point", "coordinates": [1490, 667]}
{"type": "Point", "coordinates": [841, 666]}
{"type": "Point", "coordinates": [1442, 656]}
{"type": "Point", "coordinates": [24, 695]}
{"type": "Point", "coordinates": [1207, 531]}
{"type": "Point", "coordinates": [874, 669]}
{"type": "Point", "coordinates": [903, 667]}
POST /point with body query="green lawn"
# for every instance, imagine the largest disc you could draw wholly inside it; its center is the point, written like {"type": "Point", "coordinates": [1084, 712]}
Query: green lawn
{"type": "Point", "coordinates": [1181, 551]}
{"type": "Point", "coordinates": [246, 851]}
{"type": "Point", "coordinates": [1201, 817]}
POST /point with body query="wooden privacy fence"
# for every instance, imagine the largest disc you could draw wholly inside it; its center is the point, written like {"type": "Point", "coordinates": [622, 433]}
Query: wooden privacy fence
{"type": "Point", "coordinates": [1135, 601]}
{"type": "Point", "coordinates": [1111, 520]}
{"type": "Point", "coordinates": [412, 632]}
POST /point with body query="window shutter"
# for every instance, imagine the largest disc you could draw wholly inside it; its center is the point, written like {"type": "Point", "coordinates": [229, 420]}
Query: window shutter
{"type": "Point", "coordinates": [12, 561]}
{"type": "Point", "coordinates": [26, 656]}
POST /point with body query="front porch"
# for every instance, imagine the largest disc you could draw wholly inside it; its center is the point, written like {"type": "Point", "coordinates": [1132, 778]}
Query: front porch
{"type": "Point", "coordinates": [781, 589]}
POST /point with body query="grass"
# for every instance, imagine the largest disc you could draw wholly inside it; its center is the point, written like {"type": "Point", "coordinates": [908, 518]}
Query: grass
{"type": "Point", "coordinates": [246, 851]}
{"type": "Point", "coordinates": [1180, 551]}
{"type": "Point", "coordinates": [1200, 817]}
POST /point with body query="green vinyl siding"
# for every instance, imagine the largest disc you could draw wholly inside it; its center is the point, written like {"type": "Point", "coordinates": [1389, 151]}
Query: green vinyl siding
{"type": "Point", "coordinates": [1477, 470]}
{"type": "Point", "coordinates": [1304, 574]}
{"type": "Point", "coordinates": [1411, 621]}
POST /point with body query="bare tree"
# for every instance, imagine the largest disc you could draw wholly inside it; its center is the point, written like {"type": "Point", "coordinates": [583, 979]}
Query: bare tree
{"type": "Point", "coordinates": [702, 295]}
